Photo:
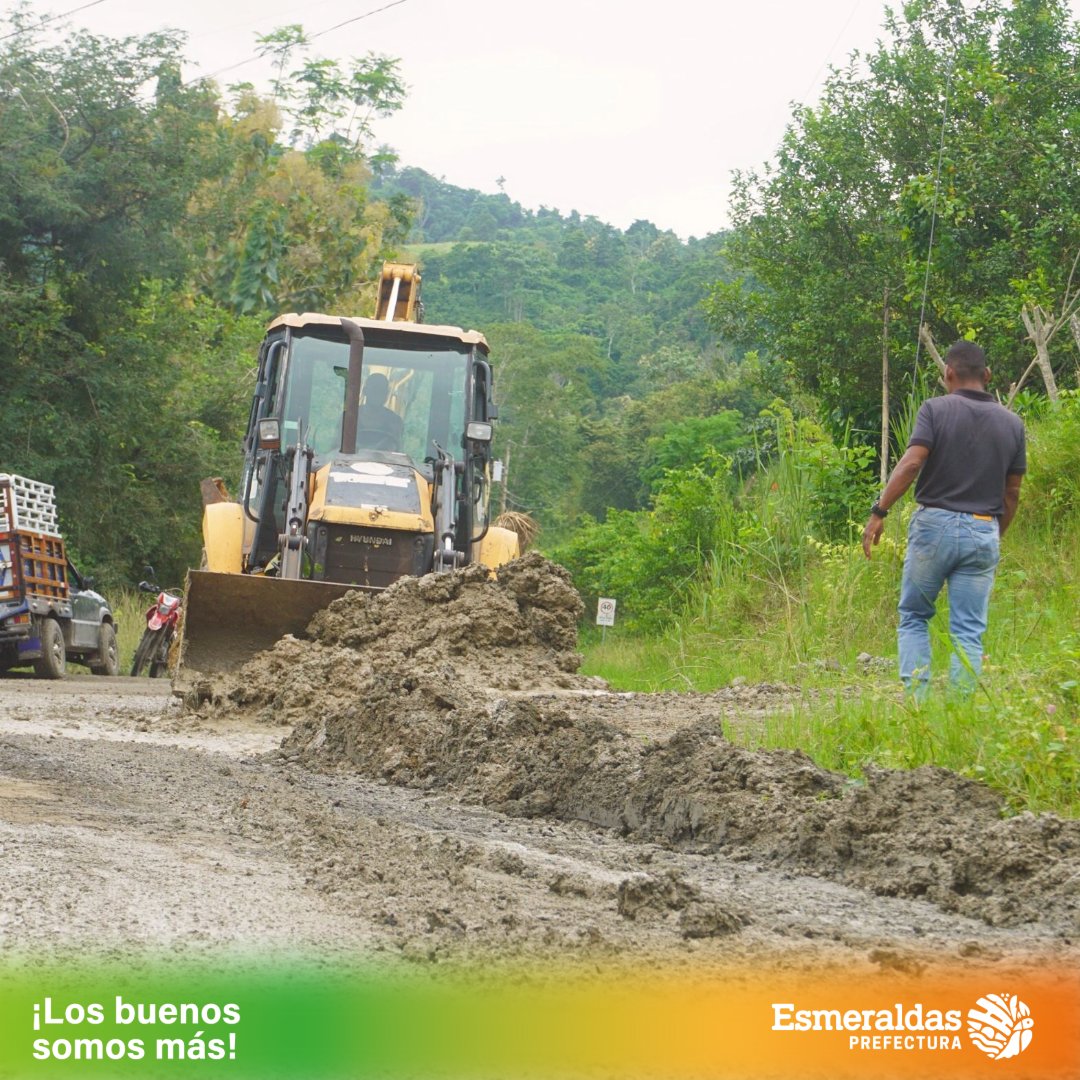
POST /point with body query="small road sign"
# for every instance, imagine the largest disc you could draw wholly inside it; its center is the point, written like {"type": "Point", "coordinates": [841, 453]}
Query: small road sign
{"type": "Point", "coordinates": [605, 612]}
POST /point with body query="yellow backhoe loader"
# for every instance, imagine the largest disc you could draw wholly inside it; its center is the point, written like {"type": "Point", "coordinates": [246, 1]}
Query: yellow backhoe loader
{"type": "Point", "coordinates": [367, 459]}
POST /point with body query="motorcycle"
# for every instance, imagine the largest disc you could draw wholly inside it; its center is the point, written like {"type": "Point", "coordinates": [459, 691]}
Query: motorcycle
{"type": "Point", "coordinates": [162, 619]}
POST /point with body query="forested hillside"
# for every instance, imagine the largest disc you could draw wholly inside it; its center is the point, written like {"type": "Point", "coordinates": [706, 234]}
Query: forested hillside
{"type": "Point", "coordinates": [607, 369]}
{"type": "Point", "coordinates": [489, 260]}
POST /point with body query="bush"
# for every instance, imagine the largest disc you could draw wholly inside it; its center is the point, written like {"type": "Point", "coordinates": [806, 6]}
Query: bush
{"type": "Point", "coordinates": [1051, 489]}
{"type": "Point", "coordinates": [649, 559]}
{"type": "Point", "coordinates": [694, 441]}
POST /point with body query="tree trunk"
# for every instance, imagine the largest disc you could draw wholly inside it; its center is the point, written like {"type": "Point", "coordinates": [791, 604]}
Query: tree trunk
{"type": "Point", "coordinates": [885, 390]}
{"type": "Point", "coordinates": [1040, 328]}
{"type": "Point", "coordinates": [927, 339]}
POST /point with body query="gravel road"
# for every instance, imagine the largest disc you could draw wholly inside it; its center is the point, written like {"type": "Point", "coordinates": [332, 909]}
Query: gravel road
{"type": "Point", "coordinates": [126, 823]}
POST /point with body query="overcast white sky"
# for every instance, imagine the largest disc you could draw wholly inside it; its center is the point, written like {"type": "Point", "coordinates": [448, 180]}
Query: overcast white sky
{"type": "Point", "coordinates": [624, 110]}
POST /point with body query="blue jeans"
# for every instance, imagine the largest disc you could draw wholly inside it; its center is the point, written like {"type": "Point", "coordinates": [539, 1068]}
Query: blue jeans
{"type": "Point", "coordinates": [945, 546]}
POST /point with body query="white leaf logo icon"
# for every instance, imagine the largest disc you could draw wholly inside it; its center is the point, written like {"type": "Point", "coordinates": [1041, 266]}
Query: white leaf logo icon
{"type": "Point", "coordinates": [1000, 1026]}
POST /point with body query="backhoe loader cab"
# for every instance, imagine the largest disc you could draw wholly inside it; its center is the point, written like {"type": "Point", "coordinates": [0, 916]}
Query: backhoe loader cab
{"type": "Point", "coordinates": [367, 459]}
{"type": "Point", "coordinates": [388, 461]}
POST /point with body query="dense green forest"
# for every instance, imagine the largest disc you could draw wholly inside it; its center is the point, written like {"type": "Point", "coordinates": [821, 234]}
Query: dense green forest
{"type": "Point", "coordinates": [149, 227]}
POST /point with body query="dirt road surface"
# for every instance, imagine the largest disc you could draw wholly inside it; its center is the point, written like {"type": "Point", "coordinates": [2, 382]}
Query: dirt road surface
{"type": "Point", "coordinates": [428, 780]}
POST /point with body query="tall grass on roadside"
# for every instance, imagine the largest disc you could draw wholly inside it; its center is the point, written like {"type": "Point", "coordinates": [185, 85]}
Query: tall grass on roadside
{"type": "Point", "coordinates": [129, 611]}
{"type": "Point", "coordinates": [1012, 734]}
{"type": "Point", "coordinates": [763, 618]}
{"type": "Point", "coordinates": [1019, 731]}
{"type": "Point", "coordinates": [776, 604]}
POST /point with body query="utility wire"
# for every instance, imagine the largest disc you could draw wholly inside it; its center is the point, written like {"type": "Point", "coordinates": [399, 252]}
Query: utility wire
{"type": "Point", "coordinates": [50, 18]}
{"type": "Point", "coordinates": [832, 49]}
{"type": "Point", "coordinates": [321, 33]}
{"type": "Point", "coordinates": [933, 216]}
{"type": "Point", "coordinates": [357, 18]}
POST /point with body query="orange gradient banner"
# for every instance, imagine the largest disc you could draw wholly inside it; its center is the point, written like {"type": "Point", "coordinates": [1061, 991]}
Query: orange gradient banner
{"type": "Point", "coordinates": [769, 1026]}
{"type": "Point", "coordinates": [267, 1021]}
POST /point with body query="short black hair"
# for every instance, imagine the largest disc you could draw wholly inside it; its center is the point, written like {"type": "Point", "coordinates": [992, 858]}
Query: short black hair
{"type": "Point", "coordinates": [376, 388]}
{"type": "Point", "coordinates": [967, 359]}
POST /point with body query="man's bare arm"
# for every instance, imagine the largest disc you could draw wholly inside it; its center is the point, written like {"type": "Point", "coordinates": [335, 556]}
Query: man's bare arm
{"type": "Point", "coordinates": [1012, 500]}
{"type": "Point", "coordinates": [903, 476]}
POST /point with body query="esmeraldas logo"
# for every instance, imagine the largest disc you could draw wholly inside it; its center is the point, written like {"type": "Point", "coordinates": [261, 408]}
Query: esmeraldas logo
{"type": "Point", "coordinates": [1000, 1026]}
{"type": "Point", "coordinates": [896, 1027]}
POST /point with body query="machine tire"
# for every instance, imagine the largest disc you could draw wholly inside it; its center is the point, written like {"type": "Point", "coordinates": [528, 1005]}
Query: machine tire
{"type": "Point", "coordinates": [108, 654]}
{"type": "Point", "coordinates": [147, 650]}
{"type": "Point", "coordinates": [53, 660]}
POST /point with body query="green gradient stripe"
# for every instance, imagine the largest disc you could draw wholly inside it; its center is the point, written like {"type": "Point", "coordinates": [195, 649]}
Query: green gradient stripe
{"type": "Point", "coordinates": [304, 1022]}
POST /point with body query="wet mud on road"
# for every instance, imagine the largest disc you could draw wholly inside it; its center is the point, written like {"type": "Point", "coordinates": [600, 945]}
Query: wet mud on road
{"type": "Point", "coordinates": [428, 779]}
{"type": "Point", "coordinates": [121, 833]}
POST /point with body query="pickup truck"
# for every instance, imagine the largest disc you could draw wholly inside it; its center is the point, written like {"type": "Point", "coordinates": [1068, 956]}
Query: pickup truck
{"type": "Point", "coordinates": [49, 613]}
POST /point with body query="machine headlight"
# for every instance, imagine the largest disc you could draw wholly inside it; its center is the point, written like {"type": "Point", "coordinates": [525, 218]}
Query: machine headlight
{"type": "Point", "coordinates": [269, 434]}
{"type": "Point", "coordinates": [478, 431]}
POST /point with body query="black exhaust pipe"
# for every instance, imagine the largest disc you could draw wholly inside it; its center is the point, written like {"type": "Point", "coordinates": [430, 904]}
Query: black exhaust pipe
{"type": "Point", "coordinates": [350, 415]}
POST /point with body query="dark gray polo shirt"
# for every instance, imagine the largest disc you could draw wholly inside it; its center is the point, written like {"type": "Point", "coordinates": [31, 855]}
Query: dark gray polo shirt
{"type": "Point", "coordinates": [974, 443]}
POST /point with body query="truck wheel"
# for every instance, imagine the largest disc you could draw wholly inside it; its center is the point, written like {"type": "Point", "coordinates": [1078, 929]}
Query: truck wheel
{"type": "Point", "coordinates": [146, 651]}
{"type": "Point", "coordinates": [108, 654]}
{"type": "Point", "coordinates": [53, 660]}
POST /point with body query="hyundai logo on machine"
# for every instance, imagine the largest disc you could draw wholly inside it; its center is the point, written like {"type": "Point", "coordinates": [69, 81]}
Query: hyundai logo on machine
{"type": "Point", "coordinates": [898, 1027]}
{"type": "Point", "coordinates": [373, 541]}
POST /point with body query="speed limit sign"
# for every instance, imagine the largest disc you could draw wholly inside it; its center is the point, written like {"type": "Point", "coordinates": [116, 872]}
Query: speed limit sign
{"type": "Point", "coordinates": [605, 611]}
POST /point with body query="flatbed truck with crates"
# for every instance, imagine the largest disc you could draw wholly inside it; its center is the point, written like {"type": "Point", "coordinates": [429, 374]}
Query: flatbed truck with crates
{"type": "Point", "coordinates": [48, 612]}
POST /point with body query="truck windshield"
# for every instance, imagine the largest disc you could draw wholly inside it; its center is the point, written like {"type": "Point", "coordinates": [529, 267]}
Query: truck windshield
{"type": "Point", "coordinates": [410, 398]}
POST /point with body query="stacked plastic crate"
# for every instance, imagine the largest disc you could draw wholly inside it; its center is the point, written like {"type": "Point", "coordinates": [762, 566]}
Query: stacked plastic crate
{"type": "Point", "coordinates": [32, 556]}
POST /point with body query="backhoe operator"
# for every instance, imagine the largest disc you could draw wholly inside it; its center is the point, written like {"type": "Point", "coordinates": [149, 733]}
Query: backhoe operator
{"type": "Point", "coordinates": [377, 427]}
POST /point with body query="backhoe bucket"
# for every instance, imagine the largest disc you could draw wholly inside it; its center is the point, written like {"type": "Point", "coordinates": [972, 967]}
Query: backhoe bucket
{"type": "Point", "coordinates": [228, 618]}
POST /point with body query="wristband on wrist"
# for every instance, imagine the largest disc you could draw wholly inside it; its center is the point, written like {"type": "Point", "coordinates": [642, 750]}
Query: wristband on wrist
{"type": "Point", "coordinates": [878, 511]}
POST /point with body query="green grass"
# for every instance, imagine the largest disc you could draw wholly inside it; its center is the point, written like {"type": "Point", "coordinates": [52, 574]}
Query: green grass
{"type": "Point", "coordinates": [1012, 734]}
{"type": "Point", "coordinates": [1020, 730]}
{"type": "Point", "coordinates": [418, 251]}
{"type": "Point", "coordinates": [129, 611]}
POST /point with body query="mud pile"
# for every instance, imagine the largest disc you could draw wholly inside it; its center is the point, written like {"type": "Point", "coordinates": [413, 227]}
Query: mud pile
{"type": "Point", "coordinates": [468, 684]}
{"type": "Point", "coordinates": [505, 633]}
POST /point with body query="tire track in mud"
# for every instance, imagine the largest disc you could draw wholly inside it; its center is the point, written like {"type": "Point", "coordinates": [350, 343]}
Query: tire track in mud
{"type": "Point", "coordinates": [465, 684]}
{"type": "Point", "coordinates": [107, 844]}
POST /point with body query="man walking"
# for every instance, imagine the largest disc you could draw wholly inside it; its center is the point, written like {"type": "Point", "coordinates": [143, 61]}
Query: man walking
{"type": "Point", "coordinates": [968, 454]}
